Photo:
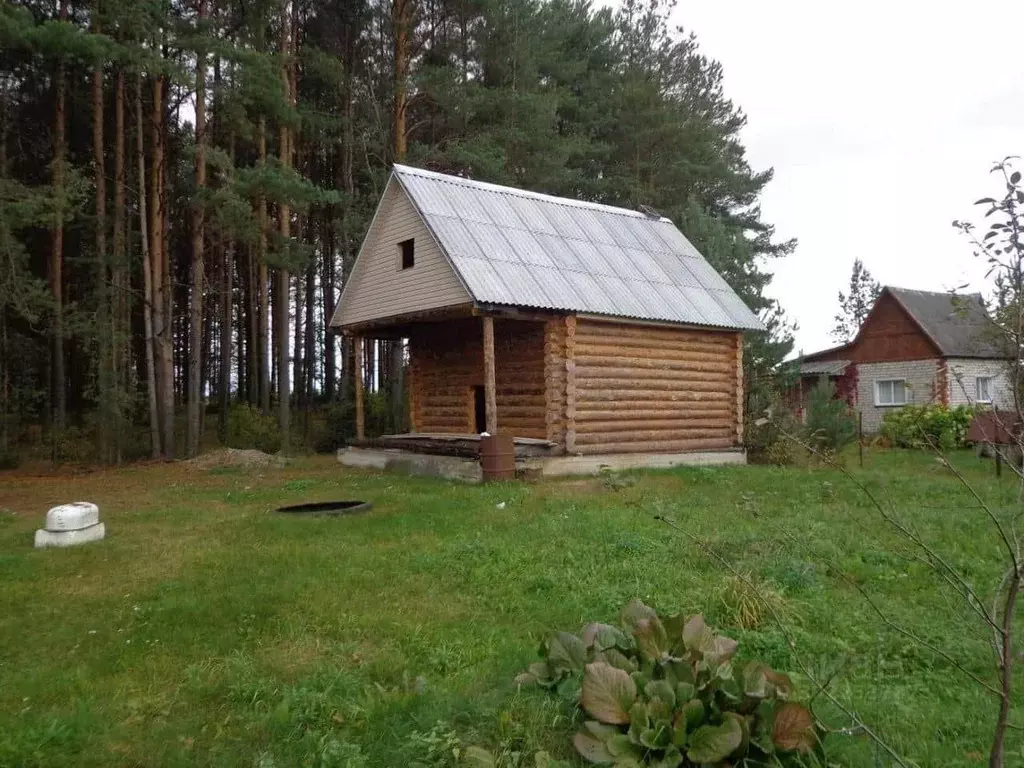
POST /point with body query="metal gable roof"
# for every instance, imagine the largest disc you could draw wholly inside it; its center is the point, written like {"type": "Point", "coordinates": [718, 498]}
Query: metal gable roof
{"type": "Point", "coordinates": [524, 249]}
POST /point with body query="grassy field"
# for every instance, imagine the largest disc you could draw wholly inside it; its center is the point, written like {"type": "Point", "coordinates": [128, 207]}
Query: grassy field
{"type": "Point", "coordinates": [207, 630]}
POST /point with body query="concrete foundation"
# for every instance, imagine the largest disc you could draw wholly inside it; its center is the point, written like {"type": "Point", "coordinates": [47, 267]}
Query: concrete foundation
{"type": "Point", "coordinates": [468, 470]}
{"type": "Point", "coordinates": [407, 462]}
{"type": "Point", "coordinates": [618, 462]}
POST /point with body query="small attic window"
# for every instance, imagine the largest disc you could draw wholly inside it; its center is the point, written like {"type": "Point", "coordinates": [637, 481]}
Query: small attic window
{"type": "Point", "coordinates": [407, 251]}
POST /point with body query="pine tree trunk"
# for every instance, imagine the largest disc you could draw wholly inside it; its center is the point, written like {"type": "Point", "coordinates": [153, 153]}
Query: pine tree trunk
{"type": "Point", "coordinates": [224, 388]}
{"type": "Point", "coordinates": [348, 184]}
{"type": "Point", "coordinates": [281, 302]}
{"type": "Point", "coordinates": [327, 288]}
{"type": "Point", "coordinates": [263, 285]}
{"type": "Point", "coordinates": [253, 343]}
{"type": "Point", "coordinates": [311, 346]}
{"type": "Point", "coordinates": [298, 348]}
{"type": "Point", "coordinates": [103, 314]}
{"type": "Point", "coordinates": [149, 300]}
{"type": "Point", "coordinates": [163, 291]}
{"type": "Point", "coordinates": [5, 378]}
{"type": "Point", "coordinates": [55, 271]}
{"type": "Point", "coordinates": [401, 17]}
{"type": "Point", "coordinates": [120, 326]}
{"type": "Point", "coordinates": [284, 224]}
{"type": "Point", "coordinates": [198, 232]}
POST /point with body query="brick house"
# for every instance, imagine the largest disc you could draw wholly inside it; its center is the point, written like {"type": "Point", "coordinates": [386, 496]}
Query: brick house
{"type": "Point", "coordinates": [915, 347]}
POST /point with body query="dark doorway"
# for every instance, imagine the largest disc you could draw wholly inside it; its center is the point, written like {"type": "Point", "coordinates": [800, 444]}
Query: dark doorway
{"type": "Point", "coordinates": [480, 409]}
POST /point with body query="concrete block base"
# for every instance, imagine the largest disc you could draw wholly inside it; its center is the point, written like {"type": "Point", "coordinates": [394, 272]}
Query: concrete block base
{"type": "Point", "coordinates": [407, 462]}
{"type": "Point", "coordinates": [468, 470]}
{"type": "Point", "coordinates": [617, 462]}
{"type": "Point", "coordinates": [45, 538]}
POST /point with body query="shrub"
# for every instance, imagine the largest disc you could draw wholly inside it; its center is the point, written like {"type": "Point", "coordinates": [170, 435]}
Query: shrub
{"type": "Point", "coordinates": [830, 423]}
{"type": "Point", "coordinates": [249, 428]}
{"type": "Point", "coordinates": [764, 440]}
{"type": "Point", "coordinates": [670, 694]}
{"type": "Point", "coordinates": [924, 426]}
{"type": "Point", "coordinates": [337, 427]}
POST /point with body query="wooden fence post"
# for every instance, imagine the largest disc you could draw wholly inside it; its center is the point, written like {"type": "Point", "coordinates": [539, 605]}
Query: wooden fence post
{"type": "Point", "coordinates": [860, 437]}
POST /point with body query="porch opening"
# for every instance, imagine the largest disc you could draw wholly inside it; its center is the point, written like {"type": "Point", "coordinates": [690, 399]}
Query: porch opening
{"type": "Point", "coordinates": [479, 409]}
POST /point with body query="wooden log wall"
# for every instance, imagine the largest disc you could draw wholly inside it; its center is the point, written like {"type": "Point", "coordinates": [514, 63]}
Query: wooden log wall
{"type": "Point", "coordinates": [554, 378]}
{"type": "Point", "coordinates": [648, 389]}
{"type": "Point", "coordinates": [446, 362]}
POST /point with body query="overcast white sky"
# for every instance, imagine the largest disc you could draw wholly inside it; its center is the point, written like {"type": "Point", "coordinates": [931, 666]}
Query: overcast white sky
{"type": "Point", "coordinates": [881, 120]}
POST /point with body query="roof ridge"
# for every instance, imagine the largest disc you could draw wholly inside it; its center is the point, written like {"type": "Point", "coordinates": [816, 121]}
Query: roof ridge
{"type": "Point", "coordinates": [569, 202]}
{"type": "Point", "coordinates": [928, 293]}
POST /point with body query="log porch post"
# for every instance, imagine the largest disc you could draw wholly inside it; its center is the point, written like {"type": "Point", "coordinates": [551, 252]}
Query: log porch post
{"type": "Point", "coordinates": [490, 386]}
{"type": "Point", "coordinates": [570, 384]}
{"type": "Point", "coordinates": [360, 417]}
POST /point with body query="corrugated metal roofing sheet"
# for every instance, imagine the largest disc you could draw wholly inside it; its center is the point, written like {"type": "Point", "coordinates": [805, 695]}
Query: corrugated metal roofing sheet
{"type": "Point", "coordinates": [523, 249]}
{"type": "Point", "coordinates": [824, 368]}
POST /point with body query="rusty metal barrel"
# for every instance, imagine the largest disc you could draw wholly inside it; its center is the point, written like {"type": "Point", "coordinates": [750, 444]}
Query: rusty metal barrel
{"type": "Point", "coordinates": [497, 457]}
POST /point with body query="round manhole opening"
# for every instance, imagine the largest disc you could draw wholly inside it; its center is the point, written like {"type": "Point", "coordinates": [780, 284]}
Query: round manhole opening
{"type": "Point", "coordinates": [327, 508]}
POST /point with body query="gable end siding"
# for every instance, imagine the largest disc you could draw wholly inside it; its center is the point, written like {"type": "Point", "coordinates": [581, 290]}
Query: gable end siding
{"type": "Point", "coordinates": [377, 288]}
{"type": "Point", "coordinates": [890, 334]}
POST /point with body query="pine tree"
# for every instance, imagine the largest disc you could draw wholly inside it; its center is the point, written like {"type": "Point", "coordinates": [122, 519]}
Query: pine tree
{"type": "Point", "coordinates": [855, 305]}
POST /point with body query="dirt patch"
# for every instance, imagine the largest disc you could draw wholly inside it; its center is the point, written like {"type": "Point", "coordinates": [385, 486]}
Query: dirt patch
{"type": "Point", "coordinates": [234, 457]}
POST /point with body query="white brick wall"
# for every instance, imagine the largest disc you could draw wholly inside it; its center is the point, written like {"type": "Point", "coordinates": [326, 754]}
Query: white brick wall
{"type": "Point", "coordinates": [919, 375]}
{"type": "Point", "coordinates": [962, 386]}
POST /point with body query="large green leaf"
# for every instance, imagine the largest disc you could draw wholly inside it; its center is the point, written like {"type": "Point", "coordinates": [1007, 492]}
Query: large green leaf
{"type": "Point", "coordinates": [600, 730]}
{"type": "Point", "coordinates": [781, 685]}
{"type": "Point", "coordinates": [744, 723]}
{"type": "Point", "coordinates": [537, 673]}
{"type": "Point", "coordinates": [591, 748]}
{"type": "Point", "coordinates": [615, 658]}
{"type": "Point", "coordinates": [566, 652]}
{"type": "Point", "coordinates": [601, 637]}
{"type": "Point", "coordinates": [638, 721]}
{"type": "Point", "coordinates": [711, 743]}
{"type": "Point", "coordinates": [661, 689]}
{"type": "Point", "coordinates": [694, 632]}
{"type": "Point", "coordinates": [635, 612]}
{"type": "Point", "coordinates": [721, 649]}
{"type": "Point", "coordinates": [608, 693]}
{"type": "Point", "coordinates": [671, 759]}
{"type": "Point", "coordinates": [793, 729]}
{"type": "Point", "coordinates": [651, 638]}
{"type": "Point", "coordinates": [755, 681]}
{"type": "Point", "coordinates": [685, 691]}
{"type": "Point", "coordinates": [688, 719]}
{"type": "Point", "coordinates": [658, 737]}
{"type": "Point", "coordinates": [620, 746]}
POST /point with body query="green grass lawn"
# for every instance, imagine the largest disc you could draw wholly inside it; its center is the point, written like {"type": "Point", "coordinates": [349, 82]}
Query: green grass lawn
{"type": "Point", "coordinates": [207, 630]}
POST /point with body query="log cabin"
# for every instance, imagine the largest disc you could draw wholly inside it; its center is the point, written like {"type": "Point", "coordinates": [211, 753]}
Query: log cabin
{"type": "Point", "coordinates": [586, 328]}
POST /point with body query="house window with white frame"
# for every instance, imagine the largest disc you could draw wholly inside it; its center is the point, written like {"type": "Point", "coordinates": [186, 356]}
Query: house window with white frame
{"type": "Point", "coordinates": [983, 389]}
{"type": "Point", "coordinates": [890, 392]}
